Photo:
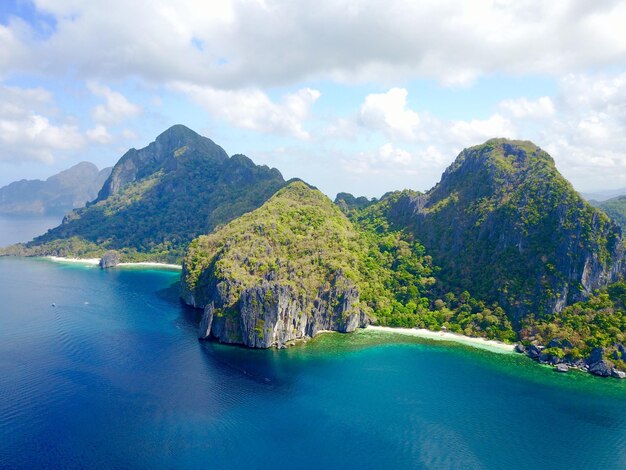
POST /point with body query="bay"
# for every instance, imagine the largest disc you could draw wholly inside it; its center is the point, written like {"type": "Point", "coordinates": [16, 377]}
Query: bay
{"type": "Point", "coordinates": [113, 376]}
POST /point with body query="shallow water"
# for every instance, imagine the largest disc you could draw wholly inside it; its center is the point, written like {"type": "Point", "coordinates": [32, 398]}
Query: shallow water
{"type": "Point", "coordinates": [114, 376]}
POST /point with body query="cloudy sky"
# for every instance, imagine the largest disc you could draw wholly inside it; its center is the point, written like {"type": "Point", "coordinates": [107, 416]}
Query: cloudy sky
{"type": "Point", "coordinates": [360, 96]}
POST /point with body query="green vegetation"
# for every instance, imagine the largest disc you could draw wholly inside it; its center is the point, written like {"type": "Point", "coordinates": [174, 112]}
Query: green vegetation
{"type": "Point", "coordinates": [600, 321]}
{"type": "Point", "coordinates": [301, 239]}
{"type": "Point", "coordinates": [414, 294]}
{"type": "Point", "coordinates": [506, 226]}
{"type": "Point", "coordinates": [160, 198]}
{"type": "Point", "coordinates": [615, 208]}
{"type": "Point", "coordinates": [494, 250]}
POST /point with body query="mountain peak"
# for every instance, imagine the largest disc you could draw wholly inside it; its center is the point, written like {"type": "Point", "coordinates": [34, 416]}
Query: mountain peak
{"type": "Point", "coordinates": [160, 197]}
{"type": "Point", "coordinates": [163, 154]}
{"type": "Point", "coordinates": [505, 224]}
{"type": "Point", "coordinates": [505, 154]}
{"type": "Point", "coordinates": [178, 132]}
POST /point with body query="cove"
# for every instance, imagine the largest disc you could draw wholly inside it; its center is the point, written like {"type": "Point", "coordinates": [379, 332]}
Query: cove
{"type": "Point", "coordinates": [114, 376]}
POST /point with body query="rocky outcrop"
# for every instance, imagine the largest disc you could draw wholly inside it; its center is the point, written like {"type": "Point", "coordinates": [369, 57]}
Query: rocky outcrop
{"type": "Point", "coordinates": [272, 314]}
{"type": "Point", "coordinates": [505, 225]}
{"type": "Point", "coordinates": [596, 362]}
{"type": "Point", "coordinates": [281, 273]}
{"type": "Point", "coordinates": [109, 260]}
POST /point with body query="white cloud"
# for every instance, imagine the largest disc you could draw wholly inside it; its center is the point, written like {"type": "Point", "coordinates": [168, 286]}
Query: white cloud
{"type": "Point", "coordinates": [247, 44]}
{"type": "Point", "coordinates": [586, 136]}
{"type": "Point", "coordinates": [252, 109]}
{"type": "Point", "coordinates": [388, 112]}
{"type": "Point", "coordinates": [129, 134]}
{"type": "Point", "coordinates": [391, 160]}
{"type": "Point", "coordinates": [476, 131]}
{"type": "Point", "coordinates": [25, 133]}
{"type": "Point", "coordinates": [382, 160]}
{"type": "Point", "coordinates": [116, 107]}
{"type": "Point", "coordinates": [99, 134]}
{"type": "Point", "coordinates": [519, 108]}
{"type": "Point", "coordinates": [33, 137]}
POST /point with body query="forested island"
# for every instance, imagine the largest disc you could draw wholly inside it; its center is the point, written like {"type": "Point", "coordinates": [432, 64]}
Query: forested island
{"type": "Point", "coordinates": [502, 247]}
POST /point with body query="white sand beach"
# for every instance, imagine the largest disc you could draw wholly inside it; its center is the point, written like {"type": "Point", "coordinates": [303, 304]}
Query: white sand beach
{"type": "Point", "coordinates": [60, 259]}
{"type": "Point", "coordinates": [482, 343]}
{"type": "Point", "coordinates": [96, 261]}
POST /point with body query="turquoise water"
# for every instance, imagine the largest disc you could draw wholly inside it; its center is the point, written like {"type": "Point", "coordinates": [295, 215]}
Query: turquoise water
{"type": "Point", "coordinates": [113, 376]}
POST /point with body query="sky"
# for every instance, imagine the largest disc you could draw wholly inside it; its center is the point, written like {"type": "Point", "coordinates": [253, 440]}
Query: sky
{"type": "Point", "coordinates": [357, 96]}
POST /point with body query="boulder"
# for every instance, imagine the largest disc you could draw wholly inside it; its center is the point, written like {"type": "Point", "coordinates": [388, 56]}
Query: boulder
{"type": "Point", "coordinates": [601, 368]}
{"type": "Point", "coordinates": [110, 259]}
{"type": "Point", "coordinates": [534, 351]}
{"type": "Point", "coordinates": [618, 374]}
{"type": "Point", "coordinates": [520, 348]}
{"type": "Point", "coordinates": [596, 355]}
{"type": "Point", "coordinates": [561, 368]}
{"type": "Point", "coordinates": [597, 365]}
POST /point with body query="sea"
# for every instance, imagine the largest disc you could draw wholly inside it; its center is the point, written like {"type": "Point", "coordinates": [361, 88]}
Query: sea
{"type": "Point", "coordinates": [103, 369]}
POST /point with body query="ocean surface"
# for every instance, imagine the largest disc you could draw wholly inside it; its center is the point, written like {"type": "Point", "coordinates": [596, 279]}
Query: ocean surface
{"type": "Point", "coordinates": [16, 229]}
{"type": "Point", "coordinates": [113, 376]}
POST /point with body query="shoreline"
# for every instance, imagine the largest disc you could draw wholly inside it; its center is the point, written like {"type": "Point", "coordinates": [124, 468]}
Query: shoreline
{"type": "Point", "coordinates": [96, 262]}
{"type": "Point", "coordinates": [480, 343]}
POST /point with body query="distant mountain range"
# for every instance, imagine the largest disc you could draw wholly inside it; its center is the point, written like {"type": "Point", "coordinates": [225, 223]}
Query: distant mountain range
{"type": "Point", "coordinates": [502, 247]}
{"type": "Point", "coordinates": [57, 195]}
{"type": "Point", "coordinates": [615, 208]}
{"type": "Point", "coordinates": [601, 196]}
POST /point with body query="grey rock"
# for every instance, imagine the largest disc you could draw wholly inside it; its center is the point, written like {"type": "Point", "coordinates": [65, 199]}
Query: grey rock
{"type": "Point", "coordinates": [561, 368]}
{"type": "Point", "coordinates": [272, 314]}
{"type": "Point", "coordinates": [618, 374]}
{"type": "Point", "coordinates": [110, 259]}
{"type": "Point", "coordinates": [578, 363]}
{"type": "Point", "coordinates": [601, 368]}
{"type": "Point", "coordinates": [204, 330]}
{"type": "Point", "coordinates": [520, 348]}
{"type": "Point", "coordinates": [534, 351]}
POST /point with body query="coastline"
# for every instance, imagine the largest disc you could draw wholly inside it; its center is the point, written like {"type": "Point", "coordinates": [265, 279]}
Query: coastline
{"type": "Point", "coordinates": [151, 264]}
{"type": "Point", "coordinates": [60, 259]}
{"type": "Point", "coordinates": [96, 262]}
{"type": "Point", "coordinates": [481, 343]}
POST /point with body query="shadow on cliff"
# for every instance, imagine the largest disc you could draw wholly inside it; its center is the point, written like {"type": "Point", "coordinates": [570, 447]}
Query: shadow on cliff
{"type": "Point", "coordinates": [268, 367]}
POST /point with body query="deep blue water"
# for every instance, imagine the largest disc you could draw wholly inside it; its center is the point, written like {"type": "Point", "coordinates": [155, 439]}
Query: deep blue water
{"type": "Point", "coordinates": [113, 376]}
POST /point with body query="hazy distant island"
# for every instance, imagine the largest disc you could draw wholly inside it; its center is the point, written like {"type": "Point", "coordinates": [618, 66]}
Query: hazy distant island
{"type": "Point", "coordinates": [70, 189]}
{"type": "Point", "coordinates": [501, 248]}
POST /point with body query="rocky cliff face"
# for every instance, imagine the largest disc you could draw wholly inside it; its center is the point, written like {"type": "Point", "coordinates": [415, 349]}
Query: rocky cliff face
{"type": "Point", "coordinates": [162, 154]}
{"type": "Point", "coordinates": [505, 225]}
{"type": "Point", "coordinates": [274, 314]}
{"type": "Point", "coordinates": [281, 273]}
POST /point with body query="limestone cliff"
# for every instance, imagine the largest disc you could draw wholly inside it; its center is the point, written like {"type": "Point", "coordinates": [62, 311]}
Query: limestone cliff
{"type": "Point", "coordinates": [281, 273]}
{"type": "Point", "coordinates": [506, 226]}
